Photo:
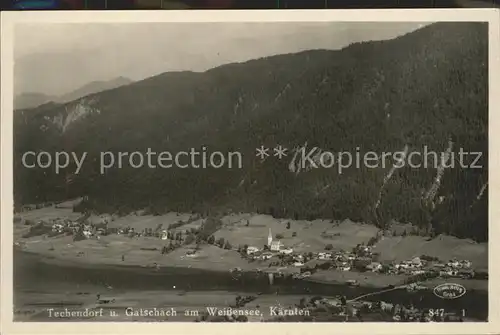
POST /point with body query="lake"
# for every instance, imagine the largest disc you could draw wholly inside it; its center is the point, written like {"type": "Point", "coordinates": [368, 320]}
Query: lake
{"type": "Point", "coordinates": [40, 285]}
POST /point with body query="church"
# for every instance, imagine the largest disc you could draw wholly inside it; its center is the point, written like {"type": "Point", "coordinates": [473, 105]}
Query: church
{"type": "Point", "coordinates": [273, 245]}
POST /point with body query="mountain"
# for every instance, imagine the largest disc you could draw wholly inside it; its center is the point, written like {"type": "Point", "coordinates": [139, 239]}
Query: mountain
{"type": "Point", "coordinates": [94, 87]}
{"type": "Point", "coordinates": [30, 100]}
{"type": "Point", "coordinates": [426, 90]}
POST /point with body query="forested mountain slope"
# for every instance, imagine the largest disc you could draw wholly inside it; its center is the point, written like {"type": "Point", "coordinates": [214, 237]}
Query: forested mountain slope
{"type": "Point", "coordinates": [427, 88]}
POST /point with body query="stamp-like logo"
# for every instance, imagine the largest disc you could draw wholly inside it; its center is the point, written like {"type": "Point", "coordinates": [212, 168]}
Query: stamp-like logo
{"type": "Point", "coordinates": [449, 291]}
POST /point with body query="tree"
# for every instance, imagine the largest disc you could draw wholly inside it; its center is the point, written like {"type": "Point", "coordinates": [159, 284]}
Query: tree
{"type": "Point", "coordinates": [329, 246]}
{"type": "Point", "coordinates": [79, 236]}
{"type": "Point", "coordinates": [361, 264]}
{"type": "Point", "coordinates": [189, 239]}
{"type": "Point", "coordinates": [220, 242]}
{"type": "Point", "coordinates": [227, 245]}
{"type": "Point", "coordinates": [372, 241]}
{"type": "Point", "coordinates": [211, 239]}
{"type": "Point", "coordinates": [294, 234]}
{"type": "Point", "coordinates": [279, 236]}
{"type": "Point", "coordinates": [288, 225]}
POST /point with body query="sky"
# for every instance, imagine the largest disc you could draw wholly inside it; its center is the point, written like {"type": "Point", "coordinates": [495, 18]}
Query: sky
{"type": "Point", "coordinates": [57, 58]}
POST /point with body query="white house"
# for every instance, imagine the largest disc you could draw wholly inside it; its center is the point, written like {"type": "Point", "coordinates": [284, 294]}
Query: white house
{"type": "Point", "coordinates": [275, 246]}
{"type": "Point", "coordinates": [466, 264]}
{"type": "Point", "coordinates": [266, 256]}
{"type": "Point", "coordinates": [375, 266]}
{"type": "Point", "coordinates": [345, 268]}
{"type": "Point", "coordinates": [286, 251]}
{"type": "Point", "coordinates": [57, 227]}
{"type": "Point", "coordinates": [324, 255]}
{"type": "Point", "coordinates": [252, 250]}
{"type": "Point", "coordinates": [298, 264]}
{"type": "Point", "coordinates": [416, 262]}
{"type": "Point", "coordinates": [164, 235]}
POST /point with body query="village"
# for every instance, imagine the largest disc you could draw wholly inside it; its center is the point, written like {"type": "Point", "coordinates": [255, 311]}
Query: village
{"type": "Point", "coordinates": [270, 256]}
{"type": "Point", "coordinates": [273, 256]}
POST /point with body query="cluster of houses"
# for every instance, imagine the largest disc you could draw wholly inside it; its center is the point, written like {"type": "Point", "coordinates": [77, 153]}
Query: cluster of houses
{"type": "Point", "coordinates": [417, 266]}
{"type": "Point", "coordinates": [81, 225]}
{"type": "Point", "coordinates": [91, 229]}
{"type": "Point", "coordinates": [362, 258]}
{"type": "Point", "coordinates": [273, 248]}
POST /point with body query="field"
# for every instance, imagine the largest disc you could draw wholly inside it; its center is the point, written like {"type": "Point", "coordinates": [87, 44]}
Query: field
{"type": "Point", "coordinates": [345, 235]}
{"type": "Point", "coordinates": [140, 222]}
{"type": "Point", "coordinates": [49, 213]}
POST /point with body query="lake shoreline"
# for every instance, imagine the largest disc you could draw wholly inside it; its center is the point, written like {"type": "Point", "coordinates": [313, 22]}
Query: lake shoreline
{"type": "Point", "coordinates": [330, 277]}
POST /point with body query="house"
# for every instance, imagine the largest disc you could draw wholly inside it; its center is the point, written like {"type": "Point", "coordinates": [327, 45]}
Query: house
{"type": "Point", "coordinates": [286, 251]}
{"type": "Point", "coordinates": [345, 268]}
{"type": "Point", "coordinates": [466, 264]}
{"type": "Point", "coordinates": [164, 235]}
{"type": "Point", "coordinates": [298, 264]}
{"type": "Point", "coordinates": [466, 273]}
{"type": "Point", "coordinates": [275, 246]}
{"type": "Point", "coordinates": [353, 282]}
{"type": "Point", "coordinates": [324, 255]}
{"type": "Point", "coordinates": [401, 266]}
{"type": "Point", "coordinates": [448, 273]}
{"type": "Point", "coordinates": [266, 255]}
{"type": "Point", "coordinates": [101, 231]}
{"type": "Point", "coordinates": [417, 272]}
{"type": "Point", "coordinates": [374, 266]}
{"type": "Point", "coordinates": [416, 262]}
{"type": "Point", "coordinates": [305, 274]}
{"type": "Point", "coordinates": [57, 227]}
{"type": "Point", "coordinates": [252, 250]}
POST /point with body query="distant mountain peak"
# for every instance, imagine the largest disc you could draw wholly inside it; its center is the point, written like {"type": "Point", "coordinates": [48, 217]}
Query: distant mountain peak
{"type": "Point", "coordinates": [33, 99]}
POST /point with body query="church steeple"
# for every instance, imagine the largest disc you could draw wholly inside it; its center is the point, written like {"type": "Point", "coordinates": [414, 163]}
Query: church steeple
{"type": "Point", "coordinates": [269, 238]}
